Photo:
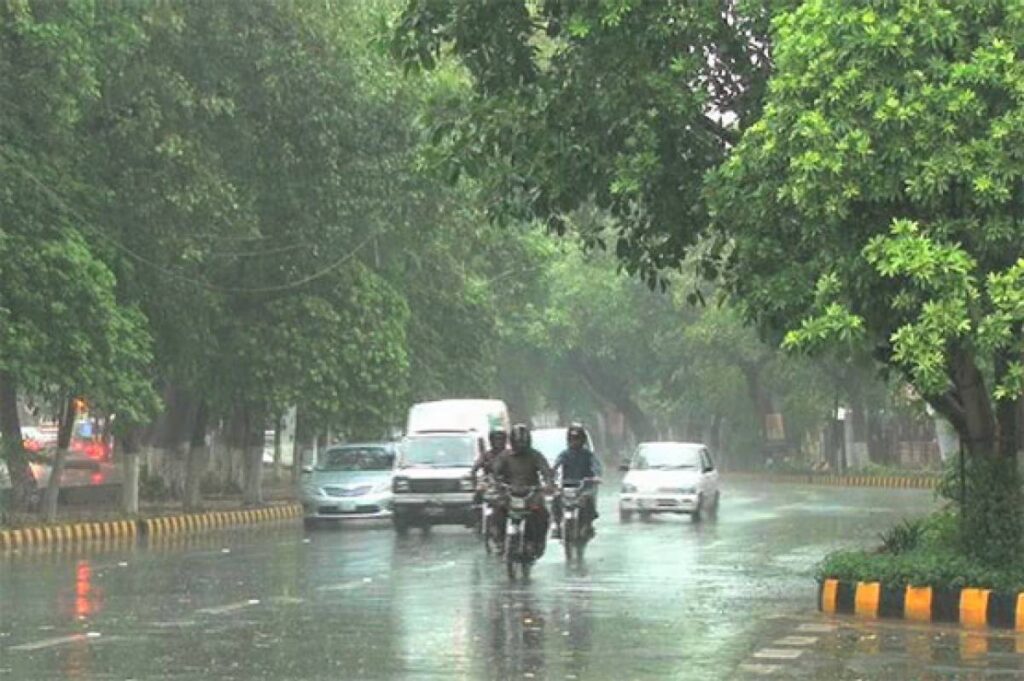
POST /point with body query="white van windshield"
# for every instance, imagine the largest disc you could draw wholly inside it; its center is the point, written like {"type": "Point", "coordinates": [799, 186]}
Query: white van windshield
{"type": "Point", "coordinates": [667, 455]}
{"type": "Point", "coordinates": [440, 450]}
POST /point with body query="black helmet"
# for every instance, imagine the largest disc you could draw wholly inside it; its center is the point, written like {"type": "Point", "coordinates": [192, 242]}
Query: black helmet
{"type": "Point", "coordinates": [498, 438]}
{"type": "Point", "coordinates": [520, 437]}
{"type": "Point", "coordinates": [576, 432]}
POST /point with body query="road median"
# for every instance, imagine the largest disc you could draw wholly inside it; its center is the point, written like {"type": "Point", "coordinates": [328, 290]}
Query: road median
{"type": "Point", "coordinates": [968, 607]}
{"type": "Point", "coordinates": [884, 481]}
{"type": "Point", "coordinates": [130, 530]}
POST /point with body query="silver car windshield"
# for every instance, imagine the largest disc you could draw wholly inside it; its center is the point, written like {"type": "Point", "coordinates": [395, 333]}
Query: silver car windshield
{"type": "Point", "coordinates": [356, 459]}
{"type": "Point", "coordinates": [438, 451]}
{"type": "Point", "coordinates": [667, 456]}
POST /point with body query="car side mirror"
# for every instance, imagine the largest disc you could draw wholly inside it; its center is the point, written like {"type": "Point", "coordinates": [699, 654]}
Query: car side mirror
{"type": "Point", "coordinates": [624, 467]}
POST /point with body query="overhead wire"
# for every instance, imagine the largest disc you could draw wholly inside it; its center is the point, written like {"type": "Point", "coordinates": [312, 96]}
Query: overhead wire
{"type": "Point", "coordinates": [160, 269]}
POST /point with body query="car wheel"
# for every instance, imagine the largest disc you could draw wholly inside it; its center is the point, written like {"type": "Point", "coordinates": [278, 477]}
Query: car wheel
{"type": "Point", "coordinates": [645, 516]}
{"type": "Point", "coordinates": [698, 510]}
{"type": "Point", "coordinates": [625, 516]}
{"type": "Point", "coordinates": [713, 511]}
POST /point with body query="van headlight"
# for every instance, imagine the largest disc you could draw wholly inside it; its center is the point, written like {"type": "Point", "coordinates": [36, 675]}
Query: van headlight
{"type": "Point", "coordinates": [466, 484]}
{"type": "Point", "coordinates": [628, 488]}
{"type": "Point", "coordinates": [400, 485]}
{"type": "Point", "coordinates": [383, 486]}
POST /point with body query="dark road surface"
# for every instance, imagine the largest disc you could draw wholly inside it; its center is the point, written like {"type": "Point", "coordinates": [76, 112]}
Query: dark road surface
{"type": "Point", "coordinates": [666, 599]}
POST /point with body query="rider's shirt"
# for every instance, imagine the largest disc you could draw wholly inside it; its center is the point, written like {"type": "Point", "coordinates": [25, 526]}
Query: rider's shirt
{"type": "Point", "coordinates": [523, 470]}
{"type": "Point", "coordinates": [577, 464]}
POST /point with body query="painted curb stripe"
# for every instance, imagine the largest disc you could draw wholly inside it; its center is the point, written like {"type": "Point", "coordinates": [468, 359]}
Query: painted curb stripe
{"type": "Point", "coordinates": [892, 602]}
{"type": "Point", "coordinates": [946, 605]}
{"type": "Point", "coordinates": [974, 607]}
{"type": "Point", "coordinates": [918, 606]}
{"type": "Point", "coordinates": [46, 536]}
{"type": "Point", "coordinates": [866, 599]}
{"type": "Point", "coordinates": [846, 594]}
{"type": "Point", "coordinates": [969, 607]}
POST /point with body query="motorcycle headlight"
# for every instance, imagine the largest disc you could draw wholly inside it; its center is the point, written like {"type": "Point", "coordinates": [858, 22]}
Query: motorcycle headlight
{"type": "Point", "coordinates": [628, 488]}
{"type": "Point", "coordinates": [466, 484]}
{"type": "Point", "coordinates": [400, 485]}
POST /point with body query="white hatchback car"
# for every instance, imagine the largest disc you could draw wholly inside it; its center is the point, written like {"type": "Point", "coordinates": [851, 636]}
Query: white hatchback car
{"type": "Point", "coordinates": [670, 477]}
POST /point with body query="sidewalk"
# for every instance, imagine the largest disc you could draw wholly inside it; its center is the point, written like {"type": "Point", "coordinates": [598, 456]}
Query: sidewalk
{"type": "Point", "coordinates": [844, 648]}
{"type": "Point", "coordinates": [273, 493]}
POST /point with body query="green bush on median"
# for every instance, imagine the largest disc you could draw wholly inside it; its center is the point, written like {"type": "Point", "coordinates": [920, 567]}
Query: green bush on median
{"type": "Point", "coordinates": [924, 552]}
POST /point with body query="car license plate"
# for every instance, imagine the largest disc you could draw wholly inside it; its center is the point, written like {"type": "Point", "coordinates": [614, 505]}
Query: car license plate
{"type": "Point", "coordinates": [434, 510]}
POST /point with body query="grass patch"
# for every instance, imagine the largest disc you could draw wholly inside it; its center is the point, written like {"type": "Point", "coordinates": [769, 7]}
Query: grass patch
{"type": "Point", "coordinates": [925, 552]}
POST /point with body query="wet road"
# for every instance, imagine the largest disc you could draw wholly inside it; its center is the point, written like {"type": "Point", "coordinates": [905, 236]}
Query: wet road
{"type": "Point", "coordinates": [664, 599]}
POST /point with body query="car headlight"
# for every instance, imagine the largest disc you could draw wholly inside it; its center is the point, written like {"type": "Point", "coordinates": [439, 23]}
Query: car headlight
{"type": "Point", "coordinates": [688, 490]}
{"type": "Point", "coordinates": [383, 486]}
{"type": "Point", "coordinates": [466, 484]}
{"type": "Point", "coordinates": [628, 488]}
{"type": "Point", "coordinates": [400, 485]}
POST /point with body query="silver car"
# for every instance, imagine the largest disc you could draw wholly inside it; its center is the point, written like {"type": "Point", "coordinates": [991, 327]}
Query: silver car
{"type": "Point", "coordinates": [349, 481]}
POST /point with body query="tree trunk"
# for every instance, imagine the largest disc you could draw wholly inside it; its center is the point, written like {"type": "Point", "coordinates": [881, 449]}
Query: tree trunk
{"type": "Point", "coordinates": [195, 463]}
{"type": "Point", "coordinates": [67, 424]}
{"type": "Point", "coordinates": [130, 462]}
{"type": "Point", "coordinates": [297, 462]}
{"type": "Point", "coordinates": [991, 504]}
{"type": "Point", "coordinates": [762, 402]}
{"type": "Point", "coordinates": [613, 392]}
{"type": "Point", "coordinates": [253, 461]}
{"type": "Point", "coordinates": [23, 484]}
{"type": "Point", "coordinates": [277, 449]}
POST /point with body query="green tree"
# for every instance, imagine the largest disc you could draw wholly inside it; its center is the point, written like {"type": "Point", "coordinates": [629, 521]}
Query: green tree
{"type": "Point", "coordinates": [887, 168]}
{"type": "Point", "coordinates": [63, 330]}
{"type": "Point", "coordinates": [622, 104]}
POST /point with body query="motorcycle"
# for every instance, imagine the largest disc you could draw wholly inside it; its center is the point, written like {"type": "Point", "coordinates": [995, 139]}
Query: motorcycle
{"type": "Point", "coordinates": [575, 531]}
{"type": "Point", "coordinates": [520, 553]}
{"type": "Point", "coordinates": [487, 525]}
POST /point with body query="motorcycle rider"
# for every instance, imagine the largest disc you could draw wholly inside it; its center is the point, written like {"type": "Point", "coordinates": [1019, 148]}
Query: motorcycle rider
{"type": "Point", "coordinates": [523, 467]}
{"type": "Point", "coordinates": [498, 440]}
{"type": "Point", "coordinates": [577, 463]}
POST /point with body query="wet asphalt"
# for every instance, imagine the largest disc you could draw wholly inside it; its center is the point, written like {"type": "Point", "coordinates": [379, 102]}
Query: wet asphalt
{"type": "Point", "coordinates": [728, 598]}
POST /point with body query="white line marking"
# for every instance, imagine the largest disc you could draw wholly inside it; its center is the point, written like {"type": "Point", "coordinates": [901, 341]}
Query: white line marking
{"type": "Point", "coordinates": [57, 641]}
{"type": "Point", "coordinates": [344, 586]}
{"type": "Point", "coordinates": [797, 641]}
{"type": "Point", "coordinates": [286, 600]}
{"type": "Point", "coordinates": [230, 607]}
{"type": "Point", "coordinates": [778, 653]}
{"type": "Point", "coordinates": [760, 668]}
{"type": "Point", "coordinates": [816, 628]}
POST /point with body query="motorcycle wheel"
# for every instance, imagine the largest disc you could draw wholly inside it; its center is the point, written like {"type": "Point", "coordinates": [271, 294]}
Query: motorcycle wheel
{"type": "Point", "coordinates": [569, 537]}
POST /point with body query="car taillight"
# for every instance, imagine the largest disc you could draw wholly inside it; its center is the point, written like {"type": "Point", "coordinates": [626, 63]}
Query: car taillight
{"type": "Point", "coordinates": [96, 478]}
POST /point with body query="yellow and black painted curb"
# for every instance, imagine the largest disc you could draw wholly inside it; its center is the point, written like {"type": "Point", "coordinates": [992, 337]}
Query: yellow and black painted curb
{"type": "Point", "coordinates": [71, 534]}
{"type": "Point", "coordinates": [886, 481]}
{"type": "Point", "coordinates": [965, 606]}
{"type": "Point", "coordinates": [67, 534]}
{"type": "Point", "coordinates": [201, 522]}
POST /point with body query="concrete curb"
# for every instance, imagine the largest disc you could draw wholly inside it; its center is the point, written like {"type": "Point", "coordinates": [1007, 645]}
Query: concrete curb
{"type": "Point", "coordinates": [886, 481]}
{"type": "Point", "coordinates": [67, 534]}
{"type": "Point", "coordinates": [201, 522]}
{"type": "Point", "coordinates": [968, 607]}
{"type": "Point", "coordinates": [126, 531]}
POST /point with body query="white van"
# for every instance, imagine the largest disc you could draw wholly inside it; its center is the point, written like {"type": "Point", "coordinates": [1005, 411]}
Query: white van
{"type": "Point", "coordinates": [457, 415]}
{"type": "Point", "coordinates": [432, 484]}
